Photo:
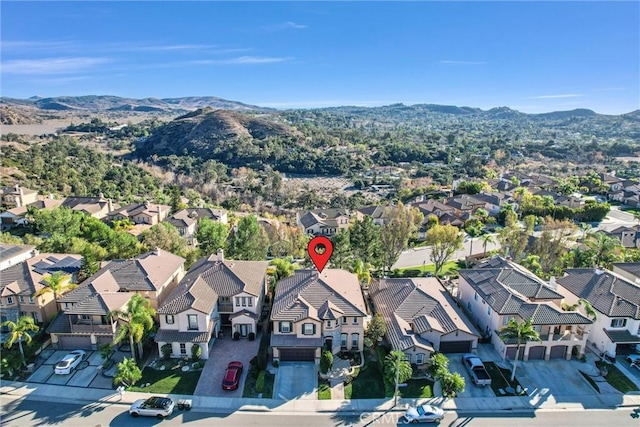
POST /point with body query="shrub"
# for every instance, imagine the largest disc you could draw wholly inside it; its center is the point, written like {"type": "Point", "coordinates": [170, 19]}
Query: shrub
{"type": "Point", "coordinates": [252, 336]}
{"type": "Point", "coordinates": [260, 381]}
{"type": "Point", "coordinates": [166, 351]}
{"type": "Point", "coordinates": [276, 363]}
{"type": "Point", "coordinates": [236, 336]}
{"type": "Point", "coordinates": [326, 361]}
{"type": "Point", "coordinates": [196, 352]}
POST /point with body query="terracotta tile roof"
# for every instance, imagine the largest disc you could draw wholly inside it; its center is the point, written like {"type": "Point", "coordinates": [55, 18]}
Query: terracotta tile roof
{"type": "Point", "coordinates": [28, 275]}
{"type": "Point", "coordinates": [197, 295]}
{"type": "Point", "coordinates": [174, 335]}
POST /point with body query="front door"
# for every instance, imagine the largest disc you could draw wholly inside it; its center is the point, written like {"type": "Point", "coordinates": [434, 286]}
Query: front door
{"type": "Point", "coordinates": [244, 330]}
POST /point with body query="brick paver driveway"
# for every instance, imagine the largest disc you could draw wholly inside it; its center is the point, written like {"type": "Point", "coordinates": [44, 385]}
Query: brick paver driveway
{"type": "Point", "coordinates": [226, 350]}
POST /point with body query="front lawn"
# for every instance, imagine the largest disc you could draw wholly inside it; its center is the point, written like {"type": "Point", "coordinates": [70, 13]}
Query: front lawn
{"type": "Point", "coordinates": [168, 381]}
{"type": "Point", "coordinates": [616, 378]}
{"type": "Point", "coordinates": [449, 267]}
{"type": "Point", "coordinates": [500, 379]}
{"type": "Point", "coordinates": [368, 384]}
{"type": "Point", "coordinates": [324, 391]}
{"type": "Point", "coordinates": [417, 388]}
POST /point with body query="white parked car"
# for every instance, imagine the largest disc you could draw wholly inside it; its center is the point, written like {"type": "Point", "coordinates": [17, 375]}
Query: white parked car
{"type": "Point", "coordinates": [70, 362]}
{"type": "Point", "coordinates": [155, 406]}
{"type": "Point", "coordinates": [422, 414]}
{"type": "Point", "coordinates": [634, 360]}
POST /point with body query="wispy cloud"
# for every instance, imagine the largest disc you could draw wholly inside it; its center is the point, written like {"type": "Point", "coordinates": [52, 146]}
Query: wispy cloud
{"type": "Point", "coordinates": [240, 60]}
{"type": "Point", "coordinates": [448, 62]}
{"type": "Point", "coordinates": [58, 80]}
{"type": "Point", "coordinates": [51, 65]}
{"type": "Point", "coordinates": [289, 25]}
{"type": "Point", "coordinates": [564, 95]}
{"type": "Point", "coordinates": [31, 45]}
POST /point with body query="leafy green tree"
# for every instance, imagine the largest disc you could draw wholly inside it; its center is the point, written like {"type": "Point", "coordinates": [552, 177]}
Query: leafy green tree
{"type": "Point", "coordinates": [249, 241]}
{"type": "Point", "coordinates": [438, 365]}
{"type": "Point", "coordinates": [605, 250]}
{"type": "Point", "coordinates": [164, 236]}
{"type": "Point", "coordinates": [521, 332]}
{"type": "Point", "coordinates": [444, 240]}
{"type": "Point", "coordinates": [341, 249]}
{"type": "Point", "coordinates": [8, 239]}
{"type": "Point", "coordinates": [362, 270]}
{"type": "Point", "coordinates": [19, 331]}
{"type": "Point", "coordinates": [127, 373]}
{"type": "Point", "coordinates": [326, 361]}
{"type": "Point", "coordinates": [397, 369]}
{"type": "Point", "coordinates": [283, 268]}
{"type": "Point", "coordinates": [211, 235]}
{"type": "Point", "coordinates": [137, 322]}
{"type": "Point", "coordinates": [57, 284]}
{"type": "Point", "coordinates": [375, 332]}
{"type": "Point", "coordinates": [452, 384]}
{"type": "Point", "coordinates": [401, 225]}
{"type": "Point", "coordinates": [365, 240]}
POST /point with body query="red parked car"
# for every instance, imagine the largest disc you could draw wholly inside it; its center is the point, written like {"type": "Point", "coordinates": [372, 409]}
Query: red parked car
{"type": "Point", "coordinates": [232, 376]}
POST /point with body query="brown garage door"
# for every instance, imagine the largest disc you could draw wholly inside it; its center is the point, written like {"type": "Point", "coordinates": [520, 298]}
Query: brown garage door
{"type": "Point", "coordinates": [297, 354]}
{"type": "Point", "coordinates": [536, 352]}
{"type": "Point", "coordinates": [456, 346]}
{"type": "Point", "coordinates": [511, 353]}
{"type": "Point", "coordinates": [72, 342]}
{"type": "Point", "coordinates": [558, 352]}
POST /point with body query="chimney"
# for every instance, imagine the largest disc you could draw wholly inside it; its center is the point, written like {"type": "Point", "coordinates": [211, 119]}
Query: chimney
{"type": "Point", "coordinates": [156, 251]}
{"type": "Point", "coordinates": [220, 255]}
{"type": "Point", "coordinates": [109, 205]}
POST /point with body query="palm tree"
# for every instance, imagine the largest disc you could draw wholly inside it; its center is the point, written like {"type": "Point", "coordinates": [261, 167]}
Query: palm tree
{"type": "Point", "coordinates": [588, 308]}
{"type": "Point", "coordinates": [362, 270]}
{"type": "Point", "coordinates": [486, 239]}
{"type": "Point", "coordinates": [397, 369]}
{"type": "Point", "coordinates": [19, 331]}
{"type": "Point", "coordinates": [606, 250]}
{"type": "Point", "coordinates": [473, 232]}
{"type": "Point", "coordinates": [138, 322]}
{"type": "Point", "coordinates": [127, 373]}
{"type": "Point", "coordinates": [522, 332]}
{"type": "Point", "coordinates": [57, 283]}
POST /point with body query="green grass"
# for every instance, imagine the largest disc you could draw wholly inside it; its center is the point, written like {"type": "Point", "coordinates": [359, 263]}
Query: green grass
{"type": "Point", "coordinates": [617, 379]}
{"type": "Point", "coordinates": [449, 267]}
{"type": "Point", "coordinates": [500, 379]}
{"type": "Point", "coordinates": [417, 388]}
{"type": "Point", "coordinates": [324, 391]}
{"type": "Point", "coordinates": [369, 383]}
{"type": "Point", "coordinates": [167, 381]}
{"type": "Point", "coordinates": [250, 384]}
{"type": "Point", "coordinates": [591, 381]}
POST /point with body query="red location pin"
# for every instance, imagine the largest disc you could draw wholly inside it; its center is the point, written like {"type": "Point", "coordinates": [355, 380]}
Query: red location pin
{"type": "Point", "coordinates": [320, 249]}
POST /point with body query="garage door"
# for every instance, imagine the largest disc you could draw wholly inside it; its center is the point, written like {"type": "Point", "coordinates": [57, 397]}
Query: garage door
{"type": "Point", "coordinates": [297, 354]}
{"type": "Point", "coordinates": [456, 346]}
{"type": "Point", "coordinates": [72, 342]}
{"type": "Point", "coordinates": [511, 353]}
{"type": "Point", "coordinates": [536, 353]}
{"type": "Point", "coordinates": [558, 352]}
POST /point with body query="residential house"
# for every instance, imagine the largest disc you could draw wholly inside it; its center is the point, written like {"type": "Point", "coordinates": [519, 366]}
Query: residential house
{"type": "Point", "coordinates": [629, 237]}
{"type": "Point", "coordinates": [186, 220]}
{"type": "Point", "coordinates": [18, 216]}
{"type": "Point", "coordinates": [378, 213]}
{"type": "Point", "coordinates": [422, 318]}
{"type": "Point", "coordinates": [214, 293]}
{"type": "Point", "coordinates": [97, 207]}
{"type": "Point", "coordinates": [325, 222]}
{"type": "Point", "coordinates": [311, 310]}
{"type": "Point", "coordinates": [498, 290]}
{"type": "Point", "coordinates": [85, 321]}
{"type": "Point", "coordinates": [20, 282]}
{"type": "Point", "coordinates": [16, 196]}
{"type": "Point", "coordinates": [141, 213]}
{"type": "Point", "coordinates": [492, 202]}
{"type": "Point", "coordinates": [15, 254]}
{"type": "Point", "coordinates": [614, 297]}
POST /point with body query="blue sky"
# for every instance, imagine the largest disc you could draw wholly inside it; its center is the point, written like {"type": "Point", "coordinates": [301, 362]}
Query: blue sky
{"type": "Point", "coordinates": [534, 57]}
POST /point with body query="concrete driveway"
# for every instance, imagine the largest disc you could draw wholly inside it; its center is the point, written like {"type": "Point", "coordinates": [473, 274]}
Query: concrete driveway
{"type": "Point", "coordinates": [223, 351]}
{"type": "Point", "coordinates": [296, 380]}
{"type": "Point", "coordinates": [561, 378]}
{"type": "Point", "coordinates": [470, 389]}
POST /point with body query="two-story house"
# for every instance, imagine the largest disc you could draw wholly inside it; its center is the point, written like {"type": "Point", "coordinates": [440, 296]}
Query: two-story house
{"type": "Point", "coordinates": [498, 290]}
{"type": "Point", "coordinates": [215, 292]}
{"type": "Point", "coordinates": [16, 196]}
{"type": "Point", "coordinates": [96, 207]}
{"type": "Point", "coordinates": [20, 283]}
{"type": "Point", "coordinates": [311, 310]}
{"type": "Point", "coordinates": [186, 220]}
{"type": "Point", "coordinates": [421, 318]}
{"type": "Point", "coordinates": [15, 254]}
{"type": "Point", "coordinates": [18, 216]}
{"type": "Point", "coordinates": [141, 213]}
{"type": "Point", "coordinates": [85, 321]}
{"type": "Point", "coordinates": [629, 237]}
{"type": "Point", "coordinates": [615, 298]}
{"type": "Point", "coordinates": [325, 222]}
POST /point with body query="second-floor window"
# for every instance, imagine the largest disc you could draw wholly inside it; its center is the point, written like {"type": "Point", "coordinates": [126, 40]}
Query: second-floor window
{"type": "Point", "coordinates": [31, 300]}
{"type": "Point", "coordinates": [355, 320]}
{"type": "Point", "coordinates": [328, 323]}
{"type": "Point", "coordinates": [193, 321]}
{"type": "Point", "coordinates": [21, 298]}
{"type": "Point", "coordinates": [308, 329]}
{"type": "Point", "coordinates": [344, 319]}
{"type": "Point", "coordinates": [475, 297]}
{"type": "Point", "coordinates": [285, 327]}
{"type": "Point", "coordinates": [618, 323]}
{"type": "Point", "coordinates": [169, 319]}
{"type": "Point", "coordinates": [9, 300]}
{"type": "Point", "coordinates": [488, 311]}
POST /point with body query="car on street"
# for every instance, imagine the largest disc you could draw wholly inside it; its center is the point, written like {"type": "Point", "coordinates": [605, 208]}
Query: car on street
{"type": "Point", "coordinates": [155, 406]}
{"type": "Point", "coordinates": [70, 362]}
{"type": "Point", "coordinates": [422, 414]}
{"type": "Point", "coordinates": [232, 376]}
{"type": "Point", "coordinates": [634, 360]}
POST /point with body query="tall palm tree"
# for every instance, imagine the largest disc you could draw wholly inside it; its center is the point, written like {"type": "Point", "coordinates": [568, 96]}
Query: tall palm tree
{"type": "Point", "coordinates": [486, 239]}
{"type": "Point", "coordinates": [57, 283]}
{"type": "Point", "coordinates": [473, 232]}
{"type": "Point", "coordinates": [522, 332]}
{"type": "Point", "coordinates": [19, 331]}
{"type": "Point", "coordinates": [397, 369]}
{"type": "Point", "coordinates": [138, 322]}
{"type": "Point", "coordinates": [606, 250]}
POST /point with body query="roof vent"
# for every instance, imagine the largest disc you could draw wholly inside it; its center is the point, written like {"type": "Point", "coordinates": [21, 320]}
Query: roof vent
{"type": "Point", "coordinates": [599, 271]}
{"type": "Point", "coordinates": [220, 254]}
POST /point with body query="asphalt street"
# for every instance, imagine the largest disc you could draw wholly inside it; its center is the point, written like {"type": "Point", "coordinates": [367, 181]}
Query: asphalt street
{"type": "Point", "coordinates": [30, 412]}
{"type": "Point", "coordinates": [420, 256]}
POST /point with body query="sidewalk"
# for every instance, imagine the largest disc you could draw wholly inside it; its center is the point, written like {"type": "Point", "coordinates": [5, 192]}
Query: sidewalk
{"type": "Point", "coordinates": [227, 405]}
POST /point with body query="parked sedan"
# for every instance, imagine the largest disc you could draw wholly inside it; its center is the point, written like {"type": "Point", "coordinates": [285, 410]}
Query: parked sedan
{"type": "Point", "coordinates": [154, 406]}
{"type": "Point", "coordinates": [422, 414]}
{"type": "Point", "coordinates": [232, 376]}
{"type": "Point", "coordinates": [70, 362]}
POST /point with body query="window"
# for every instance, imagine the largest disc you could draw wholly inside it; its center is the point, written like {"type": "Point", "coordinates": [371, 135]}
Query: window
{"type": "Point", "coordinates": [21, 298]}
{"type": "Point", "coordinates": [469, 306]}
{"type": "Point", "coordinates": [193, 321]}
{"type": "Point", "coordinates": [250, 301]}
{"type": "Point", "coordinates": [31, 300]}
{"type": "Point", "coordinates": [355, 341]}
{"type": "Point", "coordinates": [420, 358]}
{"type": "Point", "coordinates": [23, 313]}
{"type": "Point", "coordinates": [285, 327]}
{"type": "Point", "coordinates": [344, 319]}
{"type": "Point", "coordinates": [488, 311]}
{"type": "Point", "coordinates": [237, 301]}
{"type": "Point", "coordinates": [343, 341]}
{"type": "Point", "coordinates": [169, 319]}
{"type": "Point", "coordinates": [355, 320]}
{"type": "Point", "coordinates": [183, 348]}
{"type": "Point", "coordinates": [85, 317]}
{"type": "Point", "coordinates": [35, 317]}
{"type": "Point", "coordinates": [244, 301]}
{"type": "Point", "coordinates": [308, 329]}
{"type": "Point", "coordinates": [505, 321]}
{"type": "Point", "coordinates": [618, 323]}
{"type": "Point", "coordinates": [475, 297]}
{"type": "Point", "coordinates": [328, 323]}
{"type": "Point", "coordinates": [9, 300]}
